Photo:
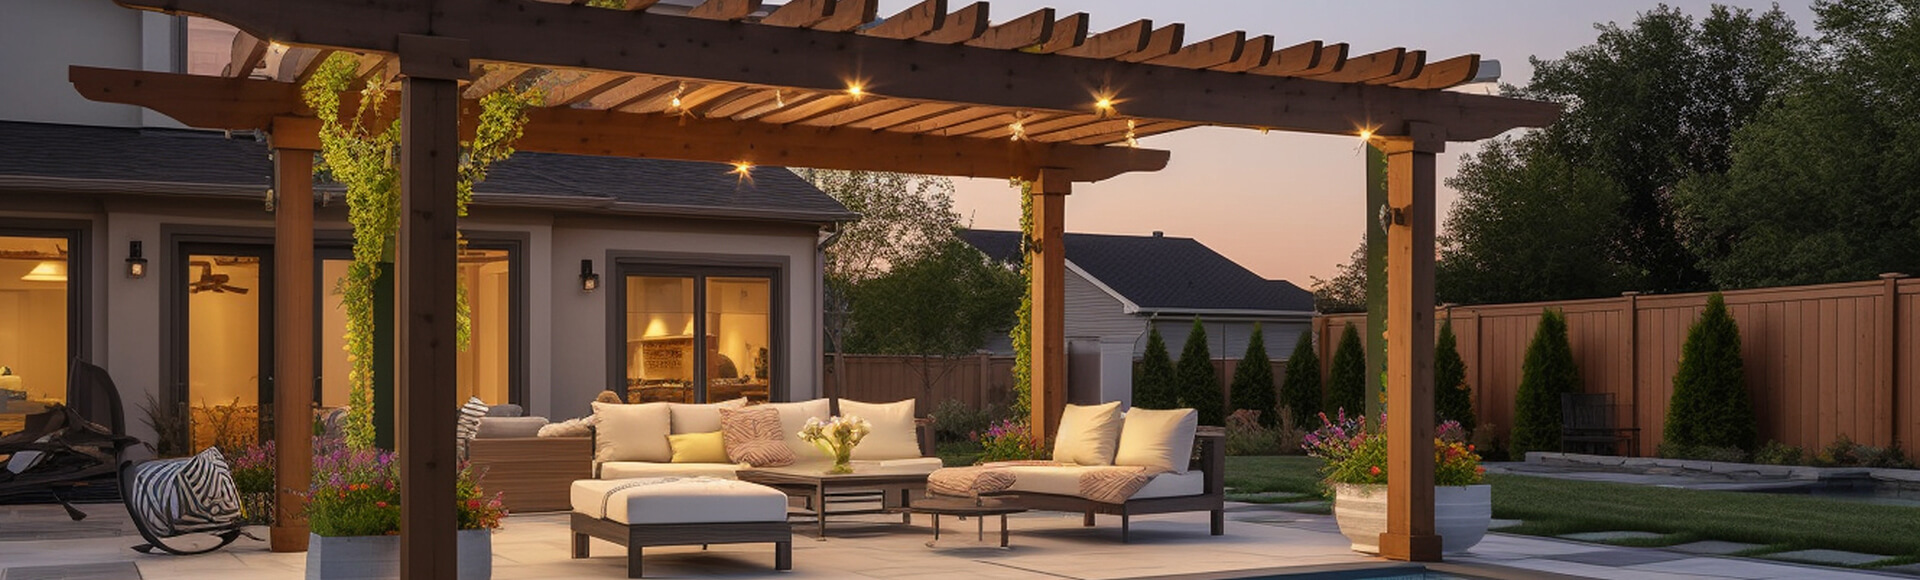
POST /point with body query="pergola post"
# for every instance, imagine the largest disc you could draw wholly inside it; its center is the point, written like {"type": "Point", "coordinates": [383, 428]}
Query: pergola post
{"type": "Point", "coordinates": [1410, 420]}
{"type": "Point", "coordinates": [425, 264]}
{"type": "Point", "coordinates": [293, 145]}
{"type": "Point", "coordinates": [1049, 344]}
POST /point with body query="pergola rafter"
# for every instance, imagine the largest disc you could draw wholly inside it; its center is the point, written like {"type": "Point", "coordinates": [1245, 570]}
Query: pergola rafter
{"type": "Point", "coordinates": [818, 83]}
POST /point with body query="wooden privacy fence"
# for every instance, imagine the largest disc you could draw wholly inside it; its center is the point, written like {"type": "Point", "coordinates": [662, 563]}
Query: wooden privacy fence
{"type": "Point", "coordinates": [1821, 361]}
{"type": "Point", "coordinates": [976, 380]}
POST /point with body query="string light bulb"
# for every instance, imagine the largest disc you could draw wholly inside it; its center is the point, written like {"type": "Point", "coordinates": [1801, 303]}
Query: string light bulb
{"type": "Point", "coordinates": [674, 103]}
{"type": "Point", "coordinates": [1132, 141]}
{"type": "Point", "coordinates": [856, 90]}
{"type": "Point", "coordinates": [1366, 134]}
{"type": "Point", "coordinates": [1017, 130]}
{"type": "Point", "coordinates": [743, 168]}
{"type": "Point", "coordinates": [778, 100]}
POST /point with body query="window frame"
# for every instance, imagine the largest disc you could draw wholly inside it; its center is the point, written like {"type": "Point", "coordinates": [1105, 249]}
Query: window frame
{"type": "Point", "coordinates": [79, 237]}
{"type": "Point", "coordinates": [700, 267]}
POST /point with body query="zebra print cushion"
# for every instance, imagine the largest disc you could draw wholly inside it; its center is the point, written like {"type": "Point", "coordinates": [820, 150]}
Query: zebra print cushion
{"type": "Point", "coordinates": [469, 426]}
{"type": "Point", "coordinates": [190, 494]}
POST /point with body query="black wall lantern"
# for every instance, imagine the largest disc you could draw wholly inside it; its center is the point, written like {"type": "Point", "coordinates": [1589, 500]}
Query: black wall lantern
{"type": "Point", "coordinates": [136, 264]}
{"type": "Point", "coordinates": [589, 281]}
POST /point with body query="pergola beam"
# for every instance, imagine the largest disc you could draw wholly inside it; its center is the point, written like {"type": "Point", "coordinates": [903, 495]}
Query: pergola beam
{"type": "Point", "coordinates": [565, 36]}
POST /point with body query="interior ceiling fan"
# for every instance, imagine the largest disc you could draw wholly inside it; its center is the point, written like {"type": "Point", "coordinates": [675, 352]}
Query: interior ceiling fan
{"type": "Point", "coordinates": [210, 281]}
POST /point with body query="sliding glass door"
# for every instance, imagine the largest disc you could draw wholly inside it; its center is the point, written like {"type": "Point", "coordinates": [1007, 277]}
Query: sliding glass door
{"type": "Point", "coordinates": [695, 335]}
{"type": "Point", "coordinates": [38, 293]}
{"type": "Point", "coordinates": [227, 335]}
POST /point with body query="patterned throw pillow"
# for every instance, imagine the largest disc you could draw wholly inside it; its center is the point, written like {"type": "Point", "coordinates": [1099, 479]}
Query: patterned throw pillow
{"type": "Point", "coordinates": [753, 436]}
{"type": "Point", "coordinates": [469, 425]}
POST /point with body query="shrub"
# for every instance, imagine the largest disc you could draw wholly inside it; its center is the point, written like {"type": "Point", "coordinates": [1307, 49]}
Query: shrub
{"type": "Point", "coordinates": [1252, 386]}
{"type": "Point", "coordinates": [1153, 382]}
{"type": "Point", "coordinates": [1010, 440]}
{"type": "Point", "coordinates": [1246, 436]}
{"type": "Point", "coordinates": [357, 493]}
{"type": "Point", "coordinates": [1347, 383]}
{"type": "Point", "coordinates": [1701, 453]}
{"type": "Point", "coordinates": [1486, 439]}
{"type": "Point", "coordinates": [1356, 456]}
{"type": "Point", "coordinates": [1300, 391]}
{"type": "Point", "coordinates": [1199, 387]}
{"type": "Point", "coordinates": [1452, 397]}
{"type": "Point", "coordinates": [1547, 373]}
{"type": "Point", "coordinates": [253, 468]}
{"type": "Point", "coordinates": [1844, 452]}
{"type": "Point", "coordinates": [955, 421]}
{"type": "Point", "coordinates": [1777, 453]}
{"type": "Point", "coordinates": [1710, 406]}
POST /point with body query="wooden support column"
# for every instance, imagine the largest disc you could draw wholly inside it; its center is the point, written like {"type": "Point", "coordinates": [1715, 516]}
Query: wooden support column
{"type": "Point", "coordinates": [1410, 326]}
{"type": "Point", "coordinates": [425, 265]}
{"type": "Point", "coordinates": [1049, 301]}
{"type": "Point", "coordinates": [294, 144]}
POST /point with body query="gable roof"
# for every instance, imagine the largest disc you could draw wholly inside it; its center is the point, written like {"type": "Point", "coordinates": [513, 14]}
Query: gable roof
{"type": "Point", "coordinates": [1161, 274]}
{"type": "Point", "coordinates": [39, 157]}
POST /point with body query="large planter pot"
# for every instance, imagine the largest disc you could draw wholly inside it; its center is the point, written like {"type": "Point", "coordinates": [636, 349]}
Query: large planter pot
{"type": "Point", "coordinates": [1460, 515]}
{"type": "Point", "coordinates": [378, 557]}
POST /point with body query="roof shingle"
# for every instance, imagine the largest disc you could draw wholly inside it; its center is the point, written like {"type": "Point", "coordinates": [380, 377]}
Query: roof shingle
{"type": "Point", "coordinates": [1161, 273]}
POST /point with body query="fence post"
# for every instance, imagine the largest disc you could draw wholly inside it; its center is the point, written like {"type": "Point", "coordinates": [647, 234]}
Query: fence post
{"type": "Point", "coordinates": [1889, 357]}
{"type": "Point", "coordinates": [1633, 364]}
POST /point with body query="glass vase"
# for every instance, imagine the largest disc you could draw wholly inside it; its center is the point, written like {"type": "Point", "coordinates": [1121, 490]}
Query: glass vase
{"type": "Point", "coordinates": [842, 460]}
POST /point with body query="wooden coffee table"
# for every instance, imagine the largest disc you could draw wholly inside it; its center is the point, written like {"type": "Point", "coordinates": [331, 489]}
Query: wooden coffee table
{"type": "Point", "coordinates": [894, 486]}
{"type": "Point", "coordinates": [977, 508]}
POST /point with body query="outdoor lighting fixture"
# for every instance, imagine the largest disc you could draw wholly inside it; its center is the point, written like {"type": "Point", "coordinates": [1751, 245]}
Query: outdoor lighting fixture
{"type": "Point", "coordinates": [1132, 141]}
{"type": "Point", "coordinates": [47, 271]}
{"type": "Point", "coordinates": [743, 168]}
{"type": "Point", "coordinates": [856, 90]}
{"type": "Point", "coordinates": [1391, 216]}
{"type": "Point", "coordinates": [136, 264]}
{"type": "Point", "coordinates": [589, 281]}
{"type": "Point", "coordinates": [1366, 134]}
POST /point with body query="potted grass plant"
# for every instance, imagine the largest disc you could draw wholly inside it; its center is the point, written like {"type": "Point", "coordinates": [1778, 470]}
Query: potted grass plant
{"type": "Point", "coordinates": [353, 511]}
{"type": "Point", "coordinates": [1356, 473]}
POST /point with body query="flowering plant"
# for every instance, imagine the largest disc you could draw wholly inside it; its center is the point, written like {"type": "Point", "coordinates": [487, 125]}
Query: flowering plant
{"type": "Point", "coordinates": [1009, 440]}
{"type": "Point", "coordinates": [253, 468]}
{"type": "Point", "coordinates": [356, 492]}
{"type": "Point", "coordinates": [1356, 456]}
{"type": "Point", "coordinates": [837, 436]}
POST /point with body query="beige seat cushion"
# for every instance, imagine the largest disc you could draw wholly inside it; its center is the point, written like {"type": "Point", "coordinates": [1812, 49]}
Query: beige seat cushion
{"type": "Point", "coordinates": [673, 500]}
{"type": "Point", "coordinates": [631, 432]}
{"type": "Point", "coordinates": [688, 418]}
{"type": "Point", "coordinates": [1157, 439]}
{"type": "Point", "coordinates": [632, 469]}
{"type": "Point", "coordinates": [793, 416]}
{"type": "Point", "coordinates": [1088, 435]}
{"type": "Point", "coordinates": [1064, 480]}
{"type": "Point", "coordinates": [893, 431]}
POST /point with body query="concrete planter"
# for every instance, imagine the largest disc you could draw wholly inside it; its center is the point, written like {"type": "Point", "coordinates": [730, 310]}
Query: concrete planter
{"type": "Point", "coordinates": [378, 557]}
{"type": "Point", "coordinates": [1460, 515]}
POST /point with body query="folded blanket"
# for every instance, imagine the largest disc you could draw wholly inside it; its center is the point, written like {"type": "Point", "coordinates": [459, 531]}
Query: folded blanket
{"type": "Point", "coordinates": [1106, 484]}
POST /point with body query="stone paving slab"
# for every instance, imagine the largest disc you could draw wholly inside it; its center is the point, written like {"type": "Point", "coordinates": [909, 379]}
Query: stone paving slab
{"type": "Point", "coordinates": [1612, 536]}
{"type": "Point", "coordinates": [100, 571]}
{"type": "Point", "coordinates": [1713, 547]}
{"type": "Point", "coordinates": [1827, 557]}
{"type": "Point", "coordinates": [1500, 523]}
{"type": "Point", "coordinates": [1621, 558]}
{"type": "Point", "coordinates": [1913, 569]}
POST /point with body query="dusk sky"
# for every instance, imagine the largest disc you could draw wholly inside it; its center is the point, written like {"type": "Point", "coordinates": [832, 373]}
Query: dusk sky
{"type": "Point", "coordinates": [1289, 206]}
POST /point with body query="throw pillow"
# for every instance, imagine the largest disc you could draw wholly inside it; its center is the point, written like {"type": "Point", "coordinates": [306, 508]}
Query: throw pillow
{"type": "Point", "coordinates": [698, 447]}
{"type": "Point", "coordinates": [753, 436]}
{"type": "Point", "coordinates": [893, 435]}
{"type": "Point", "coordinates": [575, 427]}
{"type": "Point", "coordinates": [1157, 439]}
{"type": "Point", "coordinates": [690, 418]}
{"type": "Point", "coordinates": [469, 425]}
{"type": "Point", "coordinates": [793, 416]}
{"type": "Point", "coordinates": [631, 432]}
{"type": "Point", "coordinates": [1088, 435]}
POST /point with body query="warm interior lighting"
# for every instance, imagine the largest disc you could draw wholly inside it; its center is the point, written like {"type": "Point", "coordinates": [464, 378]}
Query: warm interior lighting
{"type": "Point", "coordinates": [47, 271]}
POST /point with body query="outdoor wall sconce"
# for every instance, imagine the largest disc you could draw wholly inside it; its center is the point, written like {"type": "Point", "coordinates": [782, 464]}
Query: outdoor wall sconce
{"type": "Point", "coordinates": [1391, 216]}
{"type": "Point", "coordinates": [589, 281]}
{"type": "Point", "coordinates": [136, 264]}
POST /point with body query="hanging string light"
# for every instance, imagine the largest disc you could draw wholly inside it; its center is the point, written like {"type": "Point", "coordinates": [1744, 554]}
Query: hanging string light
{"type": "Point", "coordinates": [1132, 141]}
{"type": "Point", "coordinates": [1017, 131]}
{"type": "Point", "coordinates": [778, 100]}
{"type": "Point", "coordinates": [673, 104]}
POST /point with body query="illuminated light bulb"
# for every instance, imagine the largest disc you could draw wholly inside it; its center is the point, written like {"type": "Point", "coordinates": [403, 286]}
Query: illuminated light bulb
{"type": "Point", "coordinates": [742, 168]}
{"type": "Point", "coordinates": [778, 100]}
{"type": "Point", "coordinates": [1131, 140]}
{"type": "Point", "coordinates": [674, 103]}
{"type": "Point", "coordinates": [856, 90]}
{"type": "Point", "coordinates": [1017, 130]}
{"type": "Point", "coordinates": [1366, 134]}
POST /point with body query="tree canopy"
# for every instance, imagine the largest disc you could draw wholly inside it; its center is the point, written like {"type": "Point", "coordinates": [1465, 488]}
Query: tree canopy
{"type": "Point", "coordinates": [1252, 386]}
{"type": "Point", "coordinates": [1198, 384]}
{"type": "Point", "coordinates": [1153, 380]}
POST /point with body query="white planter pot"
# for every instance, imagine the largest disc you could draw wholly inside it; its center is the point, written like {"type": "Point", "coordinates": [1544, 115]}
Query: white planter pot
{"type": "Point", "coordinates": [1460, 515]}
{"type": "Point", "coordinates": [378, 557]}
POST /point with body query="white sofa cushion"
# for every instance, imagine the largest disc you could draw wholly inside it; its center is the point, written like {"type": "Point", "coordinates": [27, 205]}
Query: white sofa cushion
{"type": "Point", "coordinates": [1088, 435]}
{"type": "Point", "coordinates": [893, 434]}
{"type": "Point", "coordinates": [793, 416]}
{"type": "Point", "coordinates": [1157, 439]}
{"type": "Point", "coordinates": [631, 432]}
{"type": "Point", "coordinates": [689, 418]}
{"type": "Point", "coordinates": [670, 500]}
{"type": "Point", "coordinates": [632, 469]}
{"type": "Point", "coordinates": [1065, 480]}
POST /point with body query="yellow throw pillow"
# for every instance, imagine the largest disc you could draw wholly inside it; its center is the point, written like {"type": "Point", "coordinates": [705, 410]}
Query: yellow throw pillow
{"type": "Point", "coordinates": [698, 448]}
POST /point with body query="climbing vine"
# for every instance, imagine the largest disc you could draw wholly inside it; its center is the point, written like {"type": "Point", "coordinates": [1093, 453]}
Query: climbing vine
{"type": "Point", "coordinates": [1022, 333]}
{"type": "Point", "coordinates": [360, 150]}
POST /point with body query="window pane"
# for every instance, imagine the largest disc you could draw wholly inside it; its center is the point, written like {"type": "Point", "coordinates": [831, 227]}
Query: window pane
{"type": "Point", "coordinates": [660, 343]}
{"type": "Point", "coordinates": [484, 360]}
{"type": "Point", "coordinates": [223, 349]}
{"type": "Point", "coordinates": [33, 327]}
{"type": "Point", "coordinates": [737, 324]}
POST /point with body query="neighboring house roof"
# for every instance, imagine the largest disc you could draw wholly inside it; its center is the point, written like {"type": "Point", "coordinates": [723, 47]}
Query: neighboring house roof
{"type": "Point", "coordinates": [38, 157]}
{"type": "Point", "coordinates": [1161, 274]}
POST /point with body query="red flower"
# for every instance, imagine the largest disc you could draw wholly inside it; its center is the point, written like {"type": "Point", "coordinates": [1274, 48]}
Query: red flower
{"type": "Point", "coordinates": [380, 503]}
{"type": "Point", "coordinates": [1374, 470]}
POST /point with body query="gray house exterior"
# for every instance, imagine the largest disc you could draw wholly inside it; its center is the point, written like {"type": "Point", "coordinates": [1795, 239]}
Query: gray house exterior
{"type": "Point", "coordinates": [1120, 286]}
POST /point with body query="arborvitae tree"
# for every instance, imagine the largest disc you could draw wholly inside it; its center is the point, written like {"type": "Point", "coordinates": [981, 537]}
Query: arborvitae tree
{"type": "Point", "coordinates": [1153, 382]}
{"type": "Point", "coordinates": [1548, 372]}
{"type": "Point", "coordinates": [1253, 381]}
{"type": "Point", "coordinates": [1301, 389]}
{"type": "Point", "coordinates": [1199, 387]}
{"type": "Point", "coordinates": [1452, 396]}
{"type": "Point", "coordinates": [1710, 406]}
{"type": "Point", "coordinates": [1347, 380]}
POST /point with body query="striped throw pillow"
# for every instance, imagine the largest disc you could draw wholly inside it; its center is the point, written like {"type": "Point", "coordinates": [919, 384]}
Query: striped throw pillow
{"type": "Point", "coordinates": [753, 436]}
{"type": "Point", "coordinates": [470, 415]}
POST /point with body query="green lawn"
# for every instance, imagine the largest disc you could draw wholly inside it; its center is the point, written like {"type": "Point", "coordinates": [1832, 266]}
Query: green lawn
{"type": "Point", "coordinates": [1551, 507]}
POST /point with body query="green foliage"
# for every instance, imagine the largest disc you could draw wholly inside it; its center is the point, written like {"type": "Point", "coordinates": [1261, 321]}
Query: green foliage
{"type": "Point", "coordinates": [356, 492]}
{"type": "Point", "coordinates": [1252, 385]}
{"type": "Point", "coordinates": [1777, 453]}
{"type": "Point", "coordinates": [1246, 435]}
{"type": "Point", "coordinates": [1196, 381]}
{"type": "Point", "coordinates": [1300, 392]}
{"type": "Point", "coordinates": [1452, 396]}
{"type": "Point", "coordinates": [1346, 291]}
{"type": "Point", "coordinates": [1022, 333]}
{"type": "Point", "coordinates": [1526, 226]}
{"type": "Point", "coordinates": [1710, 406]}
{"type": "Point", "coordinates": [1701, 452]}
{"type": "Point", "coordinates": [941, 304]}
{"type": "Point", "coordinates": [1347, 380]}
{"type": "Point", "coordinates": [1843, 452]}
{"type": "Point", "coordinates": [1012, 440]}
{"type": "Point", "coordinates": [1154, 380]}
{"type": "Point", "coordinates": [1548, 372]}
{"type": "Point", "coordinates": [955, 421]}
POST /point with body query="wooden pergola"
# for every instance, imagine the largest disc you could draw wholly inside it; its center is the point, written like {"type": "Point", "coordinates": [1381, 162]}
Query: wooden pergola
{"type": "Point", "coordinates": [812, 83]}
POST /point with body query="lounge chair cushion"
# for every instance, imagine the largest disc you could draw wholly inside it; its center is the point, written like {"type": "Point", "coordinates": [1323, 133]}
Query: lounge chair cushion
{"type": "Point", "coordinates": [1088, 434]}
{"type": "Point", "coordinates": [631, 432]}
{"type": "Point", "coordinates": [676, 500]}
{"type": "Point", "coordinates": [502, 427]}
{"type": "Point", "coordinates": [1066, 480]}
{"type": "Point", "coordinates": [893, 429]}
{"type": "Point", "coordinates": [793, 416]}
{"type": "Point", "coordinates": [689, 418]}
{"type": "Point", "coordinates": [632, 469]}
{"type": "Point", "coordinates": [1159, 440]}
